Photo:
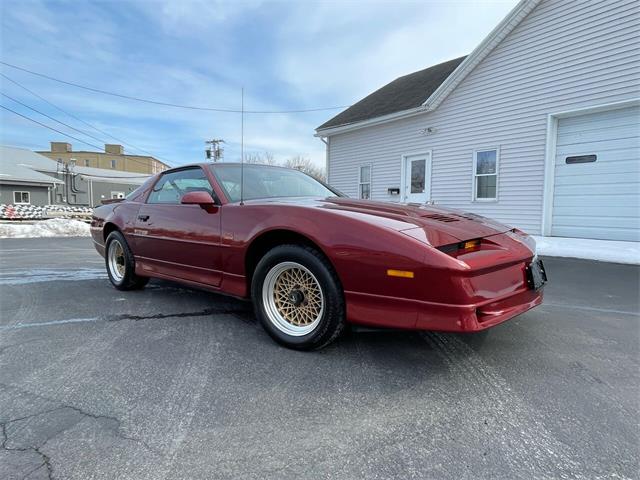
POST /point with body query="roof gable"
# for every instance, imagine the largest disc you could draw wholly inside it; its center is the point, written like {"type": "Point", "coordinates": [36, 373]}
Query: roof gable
{"type": "Point", "coordinates": [404, 93]}
{"type": "Point", "coordinates": [504, 28]}
{"type": "Point", "coordinates": [434, 96]}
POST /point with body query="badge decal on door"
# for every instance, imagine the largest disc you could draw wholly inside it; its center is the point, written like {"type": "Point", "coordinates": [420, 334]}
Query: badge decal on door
{"type": "Point", "coordinates": [137, 231]}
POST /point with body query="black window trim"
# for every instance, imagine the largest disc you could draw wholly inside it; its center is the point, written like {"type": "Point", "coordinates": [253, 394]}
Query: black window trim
{"type": "Point", "coordinates": [216, 200]}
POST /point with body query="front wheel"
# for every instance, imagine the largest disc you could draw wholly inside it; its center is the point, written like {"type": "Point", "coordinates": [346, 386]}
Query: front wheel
{"type": "Point", "coordinates": [298, 297]}
{"type": "Point", "coordinates": [121, 264]}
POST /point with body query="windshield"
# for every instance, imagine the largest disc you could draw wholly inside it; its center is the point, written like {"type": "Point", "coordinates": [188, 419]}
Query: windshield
{"type": "Point", "coordinates": [261, 181]}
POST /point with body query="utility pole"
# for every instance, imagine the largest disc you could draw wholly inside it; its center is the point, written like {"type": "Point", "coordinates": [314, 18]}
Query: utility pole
{"type": "Point", "coordinates": [214, 151]}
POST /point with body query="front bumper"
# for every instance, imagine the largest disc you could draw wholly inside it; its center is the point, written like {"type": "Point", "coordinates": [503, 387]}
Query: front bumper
{"type": "Point", "coordinates": [472, 301]}
{"type": "Point", "coordinates": [391, 312]}
{"type": "Point", "coordinates": [474, 318]}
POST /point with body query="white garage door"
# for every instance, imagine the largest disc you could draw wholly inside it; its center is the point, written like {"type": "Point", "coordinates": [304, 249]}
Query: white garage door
{"type": "Point", "coordinates": [597, 176]}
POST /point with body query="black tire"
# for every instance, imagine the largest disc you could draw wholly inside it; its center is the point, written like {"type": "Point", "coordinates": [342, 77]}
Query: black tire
{"type": "Point", "coordinates": [128, 281]}
{"type": "Point", "coordinates": [332, 318]}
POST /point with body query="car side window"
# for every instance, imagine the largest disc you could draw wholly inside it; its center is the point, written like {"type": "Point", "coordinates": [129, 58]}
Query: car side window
{"type": "Point", "coordinates": [173, 185]}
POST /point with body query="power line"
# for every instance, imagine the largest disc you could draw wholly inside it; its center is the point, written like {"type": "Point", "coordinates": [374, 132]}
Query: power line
{"type": "Point", "coordinates": [167, 104]}
{"type": "Point", "coordinates": [72, 128]}
{"type": "Point", "coordinates": [51, 118]}
{"type": "Point", "coordinates": [50, 128]}
{"type": "Point", "coordinates": [82, 121]}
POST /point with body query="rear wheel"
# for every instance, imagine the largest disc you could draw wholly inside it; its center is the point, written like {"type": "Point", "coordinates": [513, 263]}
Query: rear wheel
{"type": "Point", "coordinates": [121, 264]}
{"type": "Point", "coordinates": [298, 297]}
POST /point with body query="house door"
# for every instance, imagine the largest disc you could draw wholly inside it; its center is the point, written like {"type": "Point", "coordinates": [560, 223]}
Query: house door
{"type": "Point", "coordinates": [417, 178]}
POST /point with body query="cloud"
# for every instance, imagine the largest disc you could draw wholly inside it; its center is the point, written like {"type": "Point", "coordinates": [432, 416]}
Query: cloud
{"type": "Point", "coordinates": [287, 55]}
{"type": "Point", "coordinates": [350, 54]}
{"type": "Point", "coordinates": [193, 17]}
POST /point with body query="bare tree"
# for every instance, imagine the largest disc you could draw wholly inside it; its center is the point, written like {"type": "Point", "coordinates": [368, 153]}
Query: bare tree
{"type": "Point", "coordinates": [263, 158]}
{"type": "Point", "coordinates": [305, 165]}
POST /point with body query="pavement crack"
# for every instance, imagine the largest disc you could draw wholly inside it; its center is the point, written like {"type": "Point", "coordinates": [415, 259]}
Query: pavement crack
{"type": "Point", "coordinates": [33, 470]}
{"type": "Point", "coordinates": [117, 431]}
{"type": "Point", "coordinates": [46, 460]}
{"type": "Point", "coordinates": [158, 316]}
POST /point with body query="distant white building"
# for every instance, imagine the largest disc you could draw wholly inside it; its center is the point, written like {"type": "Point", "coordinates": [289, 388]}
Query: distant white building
{"type": "Point", "coordinates": [538, 127]}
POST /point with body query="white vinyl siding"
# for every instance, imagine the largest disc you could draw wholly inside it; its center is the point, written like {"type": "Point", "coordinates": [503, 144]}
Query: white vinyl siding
{"type": "Point", "coordinates": [597, 176]}
{"type": "Point", "coordinates": [563, 56]}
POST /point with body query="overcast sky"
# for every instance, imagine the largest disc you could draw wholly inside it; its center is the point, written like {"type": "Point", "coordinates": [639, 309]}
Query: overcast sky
{"type": "Point", "coordinates": [286, 54]}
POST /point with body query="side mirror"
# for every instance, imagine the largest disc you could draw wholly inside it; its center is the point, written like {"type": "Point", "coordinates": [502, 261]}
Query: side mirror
{"type": "Point", "coordinates": [204, 199]}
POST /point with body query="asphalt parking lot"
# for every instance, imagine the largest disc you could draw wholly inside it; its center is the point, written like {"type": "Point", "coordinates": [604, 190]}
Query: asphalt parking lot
{"type": "Point", "coordinates": [171, 383]}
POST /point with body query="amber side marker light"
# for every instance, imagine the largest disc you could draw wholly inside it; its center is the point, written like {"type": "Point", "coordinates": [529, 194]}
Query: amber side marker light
{"type": "Point", "coordinates": [457, 248]}
{"type": "Point", "coordinates": [400, 273]}
{"type": "Point", "coordinates": [471, 244]}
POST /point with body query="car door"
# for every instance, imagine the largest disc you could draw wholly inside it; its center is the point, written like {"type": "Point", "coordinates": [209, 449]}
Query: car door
{"type": "Point", "coordinates": [180, 241]}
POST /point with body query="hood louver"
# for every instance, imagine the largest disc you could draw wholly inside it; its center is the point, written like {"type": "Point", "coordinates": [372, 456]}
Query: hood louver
{"type": "Point", "coordinates": [454, 217]}
{"type": "Point", "coordinates": [440, 218]}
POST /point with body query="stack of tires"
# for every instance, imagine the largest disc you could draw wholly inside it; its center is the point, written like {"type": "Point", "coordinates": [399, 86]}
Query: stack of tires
{"type": "Point", "coordinates": [35, 212]}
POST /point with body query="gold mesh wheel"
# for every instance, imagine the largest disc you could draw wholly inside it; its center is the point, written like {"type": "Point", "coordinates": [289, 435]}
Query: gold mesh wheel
{"type": "Point", "coordinates": [293, 298]}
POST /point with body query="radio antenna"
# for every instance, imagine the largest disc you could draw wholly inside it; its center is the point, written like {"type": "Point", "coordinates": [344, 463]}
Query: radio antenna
{"type": "Point", "coordinates": [242, 146]}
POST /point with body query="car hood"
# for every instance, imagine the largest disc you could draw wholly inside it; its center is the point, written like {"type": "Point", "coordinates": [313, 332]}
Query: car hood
{"type": "Point", "coordinates": [432, 224]}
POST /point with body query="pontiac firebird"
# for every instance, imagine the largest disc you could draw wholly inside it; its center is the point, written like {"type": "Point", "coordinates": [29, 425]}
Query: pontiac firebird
{"type": "Point", "coordinates": [313, 260]}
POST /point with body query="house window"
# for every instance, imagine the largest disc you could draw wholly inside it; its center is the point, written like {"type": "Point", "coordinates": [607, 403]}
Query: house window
{"type": "Point", "coordinates": [21, 198]}
{"type": "Point", "coordinates": [113, 164]}
{"type": "Point", "coordinates": [364, 182]}
{"type": "Point", "coordinates": [485, 175]}
{"type": "Point", "coordinates": [86, 162]}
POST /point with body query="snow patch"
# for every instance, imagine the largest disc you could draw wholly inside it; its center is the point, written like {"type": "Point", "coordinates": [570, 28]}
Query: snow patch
{"type": "Point", "coordinates": [55, 227]}
{"type": "Point", "coordinates": [601, 250]}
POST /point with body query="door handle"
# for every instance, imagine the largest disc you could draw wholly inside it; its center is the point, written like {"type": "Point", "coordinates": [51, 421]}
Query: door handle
{"type": "Point", "coordinates": [143, 218]}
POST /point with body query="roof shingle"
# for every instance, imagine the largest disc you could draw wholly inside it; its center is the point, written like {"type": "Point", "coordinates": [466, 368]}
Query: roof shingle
{"type": "Point", "coordinates": [404, 93]}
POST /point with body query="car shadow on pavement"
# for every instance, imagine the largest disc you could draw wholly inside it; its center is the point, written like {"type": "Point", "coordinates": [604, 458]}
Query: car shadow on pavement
{"type": "Point", "coordinates": [408, 355]}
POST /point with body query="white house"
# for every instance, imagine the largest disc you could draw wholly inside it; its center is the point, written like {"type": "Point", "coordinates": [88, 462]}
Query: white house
{"type": "Point", "coordinates": [538, 127]}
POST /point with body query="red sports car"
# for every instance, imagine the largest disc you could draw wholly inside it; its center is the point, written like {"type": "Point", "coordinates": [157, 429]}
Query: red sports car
{"type": "Point", "coordinates": [312, 259]}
